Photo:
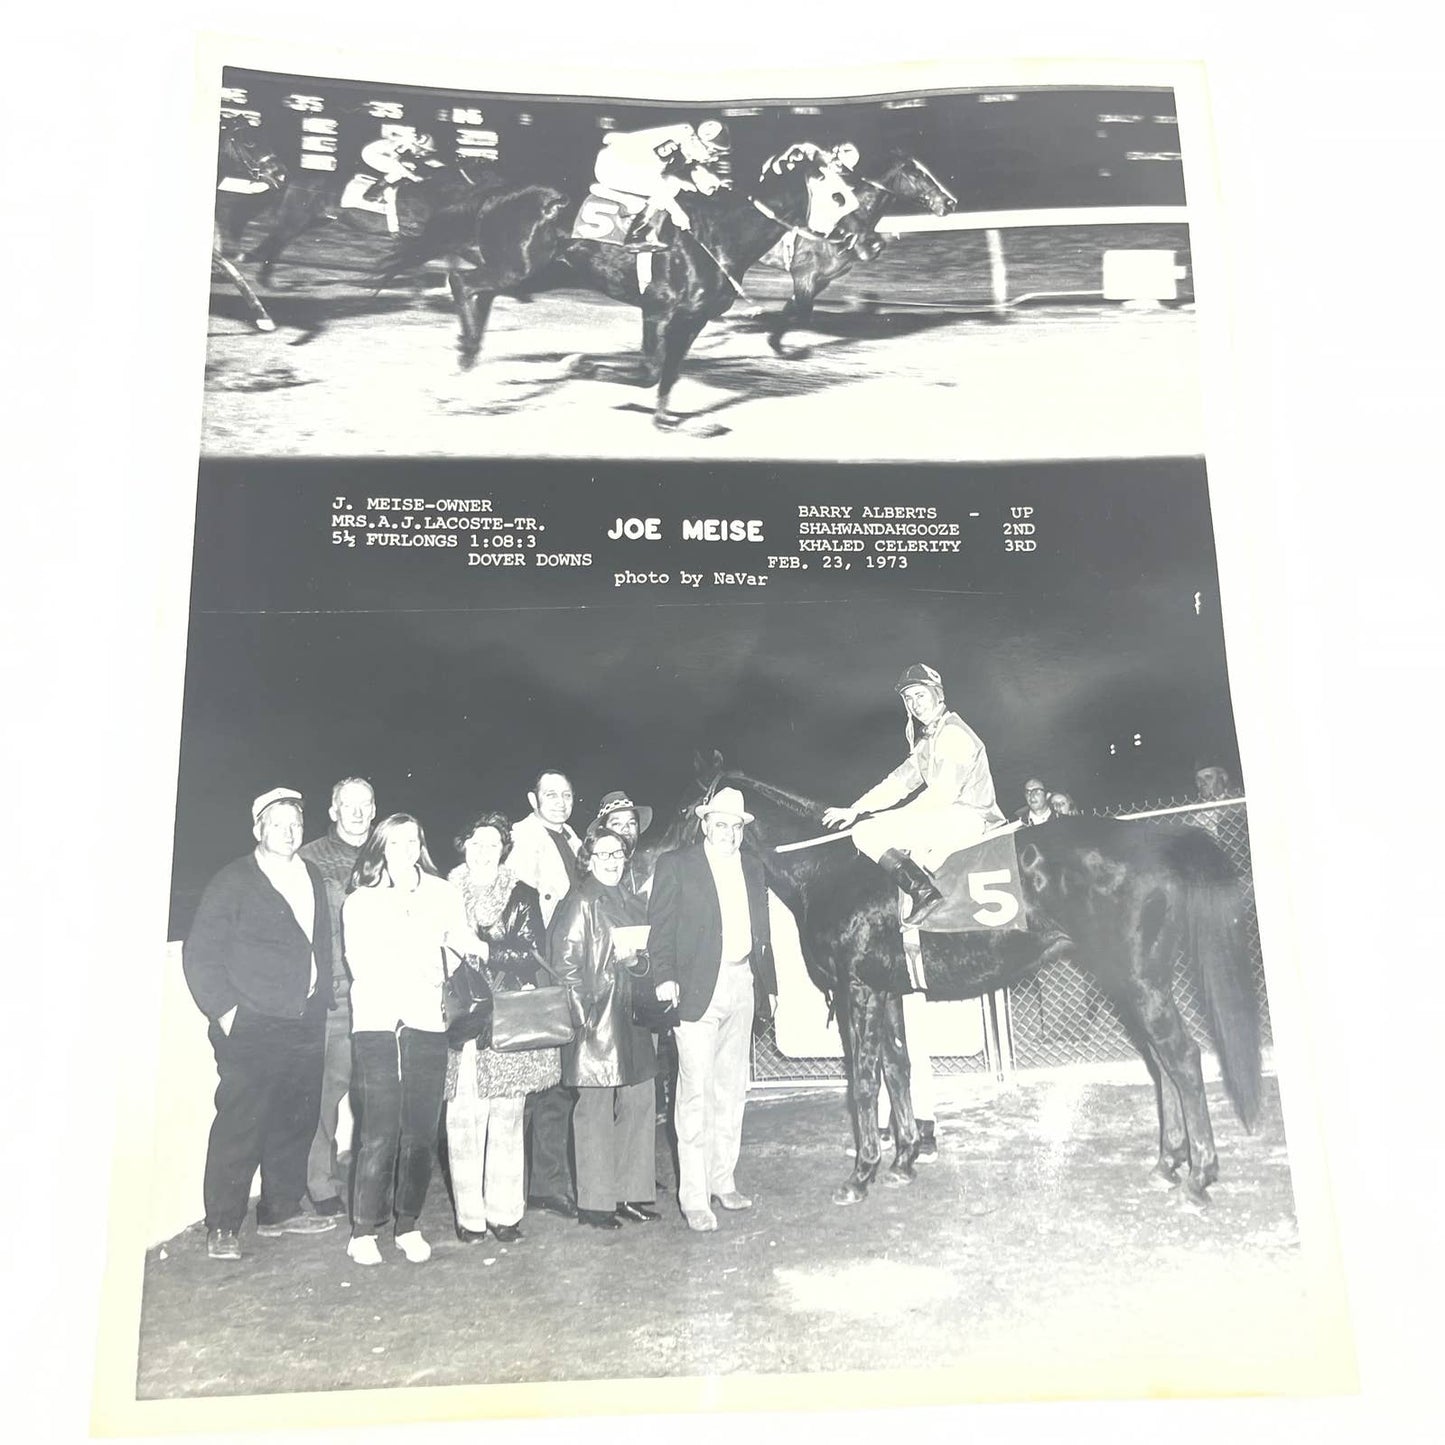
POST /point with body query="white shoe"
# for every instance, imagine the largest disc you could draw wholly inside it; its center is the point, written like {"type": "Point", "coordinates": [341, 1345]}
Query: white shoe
{"type": "Point", "coordinates": [413, 1246]}
{"type": "Point", "coordinates": [362, 1249]}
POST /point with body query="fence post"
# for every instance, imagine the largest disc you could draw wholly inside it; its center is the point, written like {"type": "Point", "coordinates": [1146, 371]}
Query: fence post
{"type": "Point", "coordinates": [997, 271]}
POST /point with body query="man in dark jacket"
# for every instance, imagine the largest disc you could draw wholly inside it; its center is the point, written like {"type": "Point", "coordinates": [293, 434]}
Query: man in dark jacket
{"type": "Point", "coordinates": [711, 951]}
{"type": "Point", "coordinates": [258, 964]}
{"type": "Point", "coordinates": [353, 810]}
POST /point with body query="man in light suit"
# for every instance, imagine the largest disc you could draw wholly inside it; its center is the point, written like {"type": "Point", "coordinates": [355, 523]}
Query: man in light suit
{"type": "Point", "coordinates": [544, 856]}
{"type": "Point", "coordinates": [712, 954]}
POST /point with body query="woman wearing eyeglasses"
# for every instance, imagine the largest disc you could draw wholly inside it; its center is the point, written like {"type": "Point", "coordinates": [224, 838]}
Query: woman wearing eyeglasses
{"type": "Point", "coordinates": [612, 1061]}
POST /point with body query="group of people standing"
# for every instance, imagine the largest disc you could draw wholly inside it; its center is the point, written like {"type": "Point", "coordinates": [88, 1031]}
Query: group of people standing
{"type": "Point", "coordinates": [322, 966]}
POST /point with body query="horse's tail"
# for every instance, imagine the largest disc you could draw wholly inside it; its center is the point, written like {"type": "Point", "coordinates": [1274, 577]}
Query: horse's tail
{"type": "Point", "coordinates": [1215, 948]}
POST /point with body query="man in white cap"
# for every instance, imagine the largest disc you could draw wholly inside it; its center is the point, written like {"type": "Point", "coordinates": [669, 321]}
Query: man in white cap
{"type": "Point", "coordinates": [258, 964]}
{"type": "Point", "coordinates": [712, 955]}
{"type": "Point", "coordinates": [947, 768]}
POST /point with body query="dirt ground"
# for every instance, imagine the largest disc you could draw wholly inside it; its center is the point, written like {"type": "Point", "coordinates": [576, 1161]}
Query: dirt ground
{"type": "Point", "coordinates": [884, 375]}
{"type": "Point", "coordinates": [1036, 1237]}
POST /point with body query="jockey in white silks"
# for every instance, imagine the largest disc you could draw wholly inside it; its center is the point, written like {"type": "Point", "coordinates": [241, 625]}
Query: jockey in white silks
{"type": "Point", "coordinates": [955, 808]}
{"type": "Point", "coordinates": [656, 164]}
{"type": "Point", "coordinates": [394, 158]}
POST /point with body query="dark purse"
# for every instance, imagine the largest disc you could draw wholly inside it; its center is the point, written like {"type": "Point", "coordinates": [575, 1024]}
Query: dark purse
{"type": "Point", "coordinates": [648, 1011]}
{"type": "Point", "coordinates": [467, 1003]}
{"type": "Point", "coordinates": [533, 1018]}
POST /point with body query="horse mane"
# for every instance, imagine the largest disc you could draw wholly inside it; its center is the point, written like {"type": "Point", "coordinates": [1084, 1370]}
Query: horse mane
{"type": "Point", "coordinates": [796, 802]}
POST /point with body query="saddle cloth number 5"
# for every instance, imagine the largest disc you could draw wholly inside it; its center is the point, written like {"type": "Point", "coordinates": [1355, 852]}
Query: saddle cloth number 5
{"type": "Point", "coordinates": [993, 888]}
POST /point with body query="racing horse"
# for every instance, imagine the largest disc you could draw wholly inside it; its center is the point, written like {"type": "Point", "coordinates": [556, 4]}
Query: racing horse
{"type": "Point", "coordinates": [249, 177]}
{"type": "Point", "coordinates": [697, 278]}
{"type": "Point", "coordinates": [496, 240]}
{"type": "Point", "coordinates": [1116, 899]}
{"type": "Point", "coordinates": [314, 199]}
{"type": "Point", "coordinates": [814, 265]}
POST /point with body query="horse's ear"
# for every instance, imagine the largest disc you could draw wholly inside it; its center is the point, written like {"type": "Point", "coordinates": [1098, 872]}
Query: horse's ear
{"type": "Point", "coordinates": [707, 765]}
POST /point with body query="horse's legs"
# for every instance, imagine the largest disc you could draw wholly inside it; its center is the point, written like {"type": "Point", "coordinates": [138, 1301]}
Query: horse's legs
{"type": "Point", "coordinates": [897, 1076]}
{"type": "Point", "coordinates": [473, 308]}
{"type": "Point", "coordinates": [253, 302]}
{"type": "Point", "coordinates": [677, 333]}
{"type": "Point", "coordinates": [797, 308]}
{"type": "Point", "coordinates": [651, 348]}
{"type": "Point", "coordinates": [1151, 985]}
{"type": "Point", "coordinates": [293, 217]}
{"type": "Point", "coordinates": [862, 1049]}
{"type": "Point", "coordinates": [810, 275]}
{"type": "Point", "coordinates": [1173, 1138]}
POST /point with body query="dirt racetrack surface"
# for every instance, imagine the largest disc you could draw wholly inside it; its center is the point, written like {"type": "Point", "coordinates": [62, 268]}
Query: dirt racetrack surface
{"type": "Point", "coordinates": [1033, 1258]}
{"type": "Point", "coordinates": [903, 360]}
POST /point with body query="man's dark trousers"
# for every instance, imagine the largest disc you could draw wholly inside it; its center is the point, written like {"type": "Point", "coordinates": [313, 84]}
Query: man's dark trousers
{"type": "Point", "coordinates": [267, 1104]}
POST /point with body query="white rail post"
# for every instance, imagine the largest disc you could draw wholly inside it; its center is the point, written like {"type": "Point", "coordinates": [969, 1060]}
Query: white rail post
{"type": "Point", "coordinates": [997, 271]}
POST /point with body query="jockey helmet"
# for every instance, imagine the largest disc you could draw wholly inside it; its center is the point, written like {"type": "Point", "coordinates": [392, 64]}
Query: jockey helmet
{"type": "Point", "coordinates": [847, 155]}
{"type": "Point", "coordinates": [919, 674]}
{"type": "Point", "coordinates": [715, 134]}
{"type": "Point", "coordinates": [422, 144]}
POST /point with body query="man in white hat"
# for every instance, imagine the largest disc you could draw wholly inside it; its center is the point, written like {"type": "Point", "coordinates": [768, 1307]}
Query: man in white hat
{"type": "Point", "coordinates": [258, 964]}
{"type": "Point", "coordinates": [947, 767]}
{"type": "Point", "coordinates": [712, 955]}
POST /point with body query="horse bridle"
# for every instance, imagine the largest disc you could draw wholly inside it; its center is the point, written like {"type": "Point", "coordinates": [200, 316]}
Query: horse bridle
{"type": "Point", "coordinates": [255, 168]}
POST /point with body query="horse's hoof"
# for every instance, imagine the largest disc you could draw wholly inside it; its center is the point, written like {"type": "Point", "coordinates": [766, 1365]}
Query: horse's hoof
{"type": "Point", "coordinates": [850, 1193]}
{"type": "Point", "coordinates": [1162, 1176]}
{"type": "Point", "coordinates": [695, 428]}
{"type": "Point", "coordinates": [898, 1175]}
{"type": "Point", "coordinates": [1193, 1197]}
{"type": "Point", "coordinates": [264, 323]}
{"type": "Point", "coordinates": [466, 360]}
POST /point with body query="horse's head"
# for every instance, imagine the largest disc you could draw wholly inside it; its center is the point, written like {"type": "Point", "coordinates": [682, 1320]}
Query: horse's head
{"type": "Point", "coordinates": [909, 177]}
{"type": "Point", "coordinates": [243, 146]}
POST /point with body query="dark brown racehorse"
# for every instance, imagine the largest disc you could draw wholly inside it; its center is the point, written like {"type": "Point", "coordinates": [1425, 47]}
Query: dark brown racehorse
{"type": "Point", "coordinates": [697, 278]}
{"type": "Point", "coordinates": [496, 240]}
{"type": "Point", "coordinates": [243, 156]}
{"type": "Point", "coordinates": [814, 265]}
{"type": "Point", "coordinates": [313, 199]}
{"type": "Point", "coordinates": [1116, 899]}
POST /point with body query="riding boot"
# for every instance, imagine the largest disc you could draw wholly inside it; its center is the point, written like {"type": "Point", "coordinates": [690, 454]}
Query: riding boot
{"type": "Point", "coordinates": [376, 191]}
{"type": "Point", "coordinates": [913, 879]}
{"type": "Point", "coordinates": [645, 233]}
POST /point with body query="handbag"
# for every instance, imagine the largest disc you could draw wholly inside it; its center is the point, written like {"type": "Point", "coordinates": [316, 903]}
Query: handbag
{"type": "Point", "coordinates": [532, 1018]}
{"type": "Point", "coordinates": [467, 1003]}
{"type": "Point", "coordinates": [648, 1011]}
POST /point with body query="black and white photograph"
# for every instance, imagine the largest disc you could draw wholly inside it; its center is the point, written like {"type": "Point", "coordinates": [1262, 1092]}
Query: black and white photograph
{"type": "Point", "coordinates": [712, 861]}
{"type": "Point", "coordinates": [977, 274]}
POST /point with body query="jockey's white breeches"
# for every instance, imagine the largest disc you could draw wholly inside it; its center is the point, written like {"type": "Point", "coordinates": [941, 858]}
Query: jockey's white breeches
{"type": "Point", "coordinates": [618, 171]}
{"type": "Point", "coordinates": [925, 831]}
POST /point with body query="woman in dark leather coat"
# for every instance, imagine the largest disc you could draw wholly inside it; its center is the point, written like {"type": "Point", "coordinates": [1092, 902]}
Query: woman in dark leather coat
{"type": "Point", "coordinates": [486, 1090]}
{"type": "Point", "coordinates": [612, 1061]}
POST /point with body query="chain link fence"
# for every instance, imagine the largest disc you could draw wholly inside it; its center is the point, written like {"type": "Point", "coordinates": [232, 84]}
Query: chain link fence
{"type": "Point", "coordinates": [1060, 1017]}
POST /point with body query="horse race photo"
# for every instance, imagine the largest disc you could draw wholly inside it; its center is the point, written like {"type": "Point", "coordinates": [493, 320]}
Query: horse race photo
{"type": "Point", "coordinates": [712, 863]}
{"type": "Point", "coordinates": [414, 272]}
